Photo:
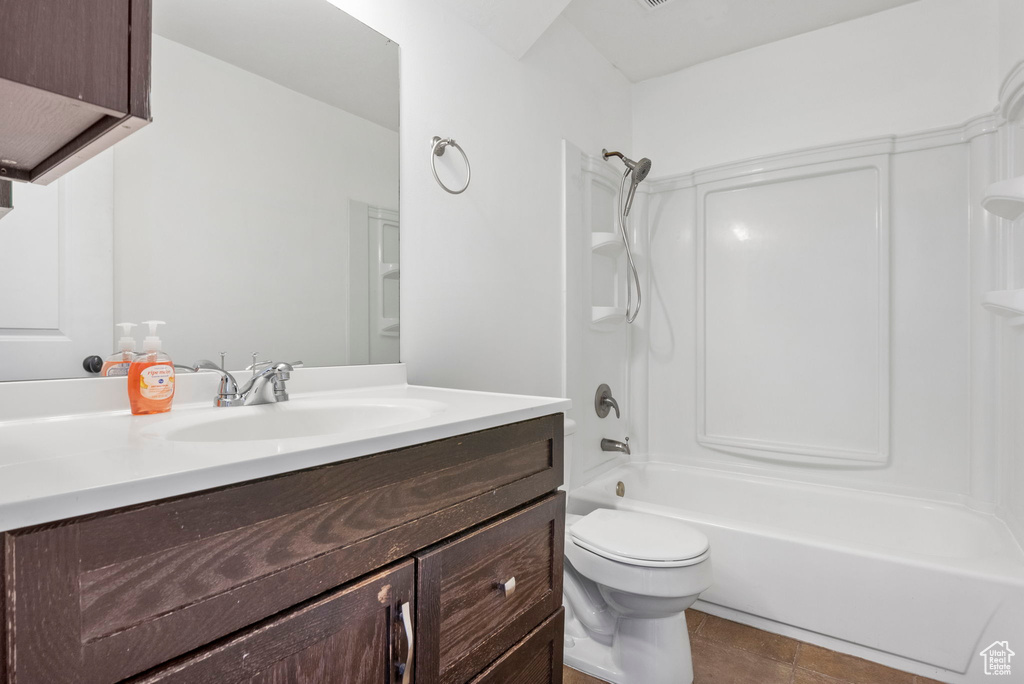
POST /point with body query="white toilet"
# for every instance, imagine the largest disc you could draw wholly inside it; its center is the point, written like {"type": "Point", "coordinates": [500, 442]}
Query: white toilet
{"type": "Point", "coordinates": [628, 578]}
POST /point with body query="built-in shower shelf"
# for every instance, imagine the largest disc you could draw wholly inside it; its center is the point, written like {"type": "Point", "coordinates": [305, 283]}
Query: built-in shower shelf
{"type": "Point", "coordinates": [606, 243]}
{"type": "Point", "coordinates": [1005, 198]}
{"type": "Point", "coordinates": [1006, 303]}
{"type": "Point", "coordinates": [607, 314]}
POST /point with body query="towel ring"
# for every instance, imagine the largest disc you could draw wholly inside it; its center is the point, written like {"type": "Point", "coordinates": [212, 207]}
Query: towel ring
{"type": "Point", "coordinates": [437, 148]}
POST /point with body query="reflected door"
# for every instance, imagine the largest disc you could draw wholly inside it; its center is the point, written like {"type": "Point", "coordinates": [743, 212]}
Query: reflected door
{"type": "Point", "coordinates": [374, 285]}
{"type": "Point", "coordinates": [56, 275]}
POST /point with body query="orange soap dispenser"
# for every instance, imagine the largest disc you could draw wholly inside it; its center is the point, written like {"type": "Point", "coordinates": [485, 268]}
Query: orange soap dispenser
{"type": "Point", "coordinates": [151, 377]}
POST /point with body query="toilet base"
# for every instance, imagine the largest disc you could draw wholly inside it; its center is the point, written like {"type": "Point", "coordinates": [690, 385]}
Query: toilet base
{"type": "Point", "coordinates": [644, 651]}
{"type": "Point", "coordinates": [592, 658]}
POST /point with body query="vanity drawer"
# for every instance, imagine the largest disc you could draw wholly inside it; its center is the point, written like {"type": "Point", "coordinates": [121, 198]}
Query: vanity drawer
{"type": "Point", "coordinates": [483, 592]}
{"type": "Point", "coordinates": [105, 597]}
{"type": "Point", "coordinates": [537, 659]}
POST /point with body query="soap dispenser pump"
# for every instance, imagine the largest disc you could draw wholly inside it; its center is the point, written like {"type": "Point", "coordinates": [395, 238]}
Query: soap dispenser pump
{"type": "Point", "coordinates": [151, 376]}
{"type": "Point", "coordinates": [117, 364]}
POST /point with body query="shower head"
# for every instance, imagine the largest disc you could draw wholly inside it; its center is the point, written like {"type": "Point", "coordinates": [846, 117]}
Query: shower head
{"type": "Point", "coordinates": [638, 171]}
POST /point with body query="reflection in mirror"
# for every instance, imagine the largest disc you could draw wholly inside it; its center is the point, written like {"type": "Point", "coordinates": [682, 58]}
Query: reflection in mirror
{"type": "Point", "coordinates": [257, 213]}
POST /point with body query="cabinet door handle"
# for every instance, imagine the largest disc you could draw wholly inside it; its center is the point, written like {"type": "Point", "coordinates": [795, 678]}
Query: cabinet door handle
{"type": "Point", "coordinates": [404, 669]}
{"type": "Point", "coordinates": [508, 587]}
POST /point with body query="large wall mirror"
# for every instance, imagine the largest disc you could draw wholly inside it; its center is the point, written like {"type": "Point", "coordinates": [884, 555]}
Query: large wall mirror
{"type": "Point", "coordinates": [257, 213]}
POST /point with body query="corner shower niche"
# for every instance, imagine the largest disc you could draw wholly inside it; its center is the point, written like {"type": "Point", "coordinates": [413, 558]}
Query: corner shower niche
{"type": "Point", "coordinates": [605, 268]}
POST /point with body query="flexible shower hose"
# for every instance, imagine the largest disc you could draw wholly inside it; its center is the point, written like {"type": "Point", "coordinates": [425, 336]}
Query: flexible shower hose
{"type": "Point", "coordinates": [630, 317]}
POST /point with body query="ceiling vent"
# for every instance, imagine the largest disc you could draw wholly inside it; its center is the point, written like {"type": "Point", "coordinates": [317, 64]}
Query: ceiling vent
{"type": "Point", "coordinates": [653, 4]}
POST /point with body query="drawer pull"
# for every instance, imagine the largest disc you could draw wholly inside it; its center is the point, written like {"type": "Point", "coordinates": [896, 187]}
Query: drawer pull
{"type": "Point", "coordinates": [508, 587]}
{"type": "Point", "coordinates": [404, 669]}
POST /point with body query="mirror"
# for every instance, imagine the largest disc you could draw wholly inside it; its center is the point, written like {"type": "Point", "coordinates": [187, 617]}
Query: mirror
{"type": "Point", "coordinates": [258, 212]}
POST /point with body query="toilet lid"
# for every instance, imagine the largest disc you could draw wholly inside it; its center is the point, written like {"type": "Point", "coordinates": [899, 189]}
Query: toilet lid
{"type": "Point", "coordinates": [643, 537]}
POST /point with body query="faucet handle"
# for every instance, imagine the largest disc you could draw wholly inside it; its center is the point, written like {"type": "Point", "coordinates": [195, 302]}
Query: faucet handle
{"type": "Point", "coordinates": [266, 364]}
{"type": "Point", "coordinates": [228, 384]}
{"type": "Point", "coordinates": [604, 402]}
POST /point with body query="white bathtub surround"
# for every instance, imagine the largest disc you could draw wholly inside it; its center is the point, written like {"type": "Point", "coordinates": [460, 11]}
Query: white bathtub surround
{"type": "Point", "coordinates": [919, 416]}
{"type": "Point", "coordinates": [914, 584]}
{"type": "Point", "coordinates": [1010, 341]}
{"type": "Point", "coordinates": [629, 577]}
{"type": "Point", "coordinates": [938, 399]}
{"type": "Point", "coordinates": [792, 319]}
{"type": "Point", "coordinates": [71, 447]}
{"type": "Point", "coordinates": [599, 345]}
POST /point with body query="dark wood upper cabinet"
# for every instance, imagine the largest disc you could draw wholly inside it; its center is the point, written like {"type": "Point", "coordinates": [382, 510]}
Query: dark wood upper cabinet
{"type": "Point", "coordinates": [74, 79]}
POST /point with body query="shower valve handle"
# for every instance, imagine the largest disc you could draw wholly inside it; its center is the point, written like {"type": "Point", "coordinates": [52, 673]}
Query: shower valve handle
{"type": "Point", "coordinates": [604, 402]}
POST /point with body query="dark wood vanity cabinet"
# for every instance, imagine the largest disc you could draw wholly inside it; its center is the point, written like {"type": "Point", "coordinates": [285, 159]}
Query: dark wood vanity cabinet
{"type": "Point", "coordinates": [74, 79]}
{"type": "Point", "coordinates": [6, 198]}
{"type": "Point", "coordinates": [302, 577]}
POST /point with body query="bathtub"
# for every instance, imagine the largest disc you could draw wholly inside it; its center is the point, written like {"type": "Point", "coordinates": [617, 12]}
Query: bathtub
{"type": "Point", "coordinates": [920, 585]}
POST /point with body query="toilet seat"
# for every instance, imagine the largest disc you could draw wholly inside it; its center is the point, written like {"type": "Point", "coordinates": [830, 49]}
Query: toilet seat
{"type": "Point", "coordinates": [640, 539]}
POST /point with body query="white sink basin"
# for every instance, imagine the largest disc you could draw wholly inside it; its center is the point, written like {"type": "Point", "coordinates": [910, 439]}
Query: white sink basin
{"type": "Point", "coordinates": [291, 420]}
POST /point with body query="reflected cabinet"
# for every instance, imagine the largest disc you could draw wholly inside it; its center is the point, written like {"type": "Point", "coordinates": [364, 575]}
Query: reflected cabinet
{"type": "Point", "coordinates": [74, 79]}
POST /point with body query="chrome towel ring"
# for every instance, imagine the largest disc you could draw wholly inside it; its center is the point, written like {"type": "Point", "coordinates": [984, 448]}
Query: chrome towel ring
{"type": "Point", "coordinates": [437, 149]}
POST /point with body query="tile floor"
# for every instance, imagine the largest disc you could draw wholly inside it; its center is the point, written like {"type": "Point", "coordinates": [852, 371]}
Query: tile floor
{"type": "Point", "coordinates": [726, 652]}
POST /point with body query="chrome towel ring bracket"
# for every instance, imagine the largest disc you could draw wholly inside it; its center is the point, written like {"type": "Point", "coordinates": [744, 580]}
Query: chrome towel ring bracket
{"type": "Point", "coordinates": [437, 148]}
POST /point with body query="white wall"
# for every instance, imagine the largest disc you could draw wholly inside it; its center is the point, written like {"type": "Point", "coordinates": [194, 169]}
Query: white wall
{"type": "Point", "coordinates": [482, 285]}
{"type": "Point", "coordinates": [1011, 35]}
{"type": "Point", "coordinates": [923, 65]}
{"type": "Point", "coordinates": [238, 193]}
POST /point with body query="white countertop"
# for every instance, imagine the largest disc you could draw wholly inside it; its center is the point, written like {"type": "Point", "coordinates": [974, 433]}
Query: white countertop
{"type": "Point", "coordinates": [56, 466]}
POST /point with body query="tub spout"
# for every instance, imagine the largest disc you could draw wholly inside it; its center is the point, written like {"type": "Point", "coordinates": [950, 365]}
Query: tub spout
{"type": "Point", "coordinates": [615, 445]}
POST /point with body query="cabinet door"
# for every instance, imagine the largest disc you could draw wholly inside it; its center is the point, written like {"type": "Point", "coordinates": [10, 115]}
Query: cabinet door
{"type": "Point", "coordinates": [537, 659]}
{"type": "Point", "coordinates": [481, 593]}
{"type": "Point", "coordinates": [360, 634]}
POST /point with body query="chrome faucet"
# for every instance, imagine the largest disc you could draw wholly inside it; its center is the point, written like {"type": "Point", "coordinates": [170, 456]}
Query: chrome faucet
{"type": "Point", "coordinates": [274, 375]}
{"type": "Point", "coordinates": [227, 393]}
{"type": "Point", "coordinates": [615, 445]}
{"type": "Point", "coordinates": [257, 390]}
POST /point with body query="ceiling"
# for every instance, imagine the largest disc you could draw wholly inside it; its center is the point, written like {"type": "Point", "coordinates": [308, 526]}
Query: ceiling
{"type": "Point", "coordinates": [513, 24]}
{"type": "Point", "coordinates": [644, 43]}
{"type": "Point", "coordinates": [309, 46]}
